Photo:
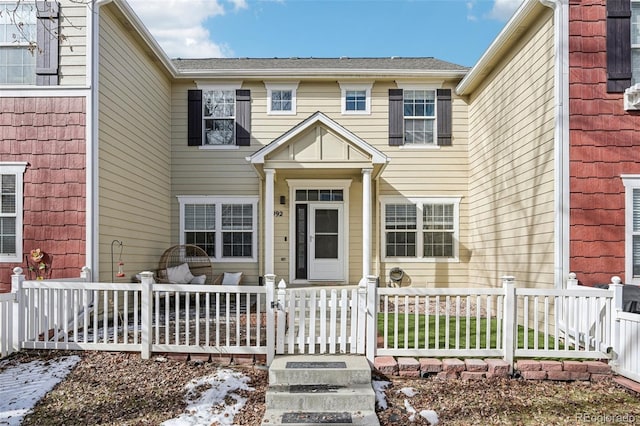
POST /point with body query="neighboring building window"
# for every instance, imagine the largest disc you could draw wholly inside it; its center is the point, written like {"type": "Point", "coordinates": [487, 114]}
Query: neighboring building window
{"type": "Point", "coordinates": [225, 227]}
{"type": "Point", "coordinates": [420, 117]}
{"type": "Point", "coordinates": [281, 98]}
{"type": "Point", "coordinates": [219, 116]}
{"type": "Point", "coordinates": [11, 179]}
{"type": "Point", "coordinates": [356, 98]}
{"type": "Point", "coordinates": [421, 228]}
{"type": "Point", "coordinates": [17, 33]}
{"type": "Point", "coordinates": [635, 41]}
{"type": "Point", "coordinates": [632, 226]}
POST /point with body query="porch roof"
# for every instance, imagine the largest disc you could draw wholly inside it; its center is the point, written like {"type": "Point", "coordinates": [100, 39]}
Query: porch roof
{"type": "Point", "coordinates": [364, 155]}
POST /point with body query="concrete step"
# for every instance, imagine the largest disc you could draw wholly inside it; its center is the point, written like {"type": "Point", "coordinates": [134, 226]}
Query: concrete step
{"type": "Point", "coordinates": [319, 370]}
{"type": "Point", "coordinates": [312, 418]}
{"type": "Point", "coordinates": [330, 398]}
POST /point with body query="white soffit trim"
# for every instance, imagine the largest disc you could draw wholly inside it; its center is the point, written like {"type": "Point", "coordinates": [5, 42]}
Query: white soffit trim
{"type": "Point", "coordinates": [377, 157]}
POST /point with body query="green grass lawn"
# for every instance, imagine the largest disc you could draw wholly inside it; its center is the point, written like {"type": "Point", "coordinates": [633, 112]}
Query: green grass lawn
{"type": "Point", "coordinates": [406, 327]}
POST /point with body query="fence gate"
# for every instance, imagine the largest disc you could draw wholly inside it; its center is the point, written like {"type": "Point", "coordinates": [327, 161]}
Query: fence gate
{"type": "Point", "coordinates": [320, 321]}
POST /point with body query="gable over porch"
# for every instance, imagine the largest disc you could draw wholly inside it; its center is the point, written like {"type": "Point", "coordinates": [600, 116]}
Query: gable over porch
{"type": "Point", "coordinates": [326, 173]}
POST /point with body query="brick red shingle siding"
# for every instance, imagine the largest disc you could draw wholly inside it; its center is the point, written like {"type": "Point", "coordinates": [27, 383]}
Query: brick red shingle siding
{"type": "Point", "coordinates": [605, 143]}
{"type": "Point", "coordinates": [48, 134]}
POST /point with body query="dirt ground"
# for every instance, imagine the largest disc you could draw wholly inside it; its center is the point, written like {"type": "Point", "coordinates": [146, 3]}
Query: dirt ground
{"type": "Point", "coordinates": [122, 389]}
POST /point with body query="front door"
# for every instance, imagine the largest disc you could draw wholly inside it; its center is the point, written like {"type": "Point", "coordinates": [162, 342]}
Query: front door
{"type": "Point", "coordinates": [326, 260]}
{"type": "Point", "coordinates": [319, 242]}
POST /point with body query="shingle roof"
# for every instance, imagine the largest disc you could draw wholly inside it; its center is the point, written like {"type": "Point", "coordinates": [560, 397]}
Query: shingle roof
{"type": "Point", "coordinates": [305, 64]}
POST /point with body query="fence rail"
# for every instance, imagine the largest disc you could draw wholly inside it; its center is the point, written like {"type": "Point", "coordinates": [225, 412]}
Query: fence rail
{"type": "Point", "coordinates": [506, 322]}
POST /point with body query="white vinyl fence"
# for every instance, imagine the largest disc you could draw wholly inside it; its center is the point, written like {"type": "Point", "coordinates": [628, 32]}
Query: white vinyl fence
{"type": "Point", "coordinates": [506, 322]}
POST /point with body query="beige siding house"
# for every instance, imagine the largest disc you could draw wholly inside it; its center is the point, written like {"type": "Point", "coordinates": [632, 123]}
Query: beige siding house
{"type": "Point", "coordinates": [323, 171]}
{"type": "Point", "coordinates": [511, 160]}
{"type": "Point", "coordinates": [319, 170]}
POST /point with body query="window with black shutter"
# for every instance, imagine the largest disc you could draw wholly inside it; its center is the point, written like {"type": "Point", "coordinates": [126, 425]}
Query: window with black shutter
{"type": "Point", "coordinates": [416, 116]}
{"type": "Point", "coordinates": [618, 45]}
{"type": "Point", "coordinates": [219, 117]}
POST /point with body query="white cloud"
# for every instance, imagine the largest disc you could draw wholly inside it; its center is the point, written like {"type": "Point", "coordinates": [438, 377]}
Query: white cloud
{"type": "Point", "coordinates": [178, 25]}
{"type": "Point", "coordinates": [470, 14]}
{"type": "Point", "coordinates": [503, 9]}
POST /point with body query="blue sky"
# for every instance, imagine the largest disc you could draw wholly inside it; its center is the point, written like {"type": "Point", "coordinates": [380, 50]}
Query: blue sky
{"type": "Point", "coordinates": [458, 31]}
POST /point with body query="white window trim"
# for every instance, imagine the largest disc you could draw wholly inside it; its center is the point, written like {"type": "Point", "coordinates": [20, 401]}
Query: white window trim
{"type": "Point", "coordinates": [417, 86]}
{"type": "Point", "coordinates": [206, 86]}
{"type": "Point", "coordinates": [345, 86]}
{"type": "Point", "coordinates": [630, 183]}
{"type": "Point", "coordinates": [419, 201]}
{"type": "Point", "coordinates": [218, 201]}
{"type": "Point", "coordinates": [17, 169]}
{"type": "Point", "coordinates": [293, 86]}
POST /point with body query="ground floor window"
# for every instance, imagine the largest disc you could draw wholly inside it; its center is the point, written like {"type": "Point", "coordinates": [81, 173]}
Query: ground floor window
{"type": "Point", "coordinates": [11, 184]}
{"type": "Point", "coordinates": [420, 228]}
{"type": "Point", "coordinates": [632, 228]}
{"type": "Point", "coordinates": [225, 227]}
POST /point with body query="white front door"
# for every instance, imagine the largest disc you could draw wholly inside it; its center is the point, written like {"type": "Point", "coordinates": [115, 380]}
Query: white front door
{"type": "Point", "coordinates": [326, 241]}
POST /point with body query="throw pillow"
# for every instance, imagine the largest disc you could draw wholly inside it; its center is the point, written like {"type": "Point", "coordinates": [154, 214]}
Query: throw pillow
{"type": "Point", "coordinates": [179, 274]}
{"type": "Point", "coordinates": [231, 278]}
{"type": "Point", "coordinates": [200, 279]}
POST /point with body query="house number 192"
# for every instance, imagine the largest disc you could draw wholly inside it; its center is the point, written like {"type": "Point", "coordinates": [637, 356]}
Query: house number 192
{"type": "Point", "coordinates": [277, 213]}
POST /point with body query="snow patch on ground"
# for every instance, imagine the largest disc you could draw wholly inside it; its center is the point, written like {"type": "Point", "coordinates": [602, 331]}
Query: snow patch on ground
{"type": "Point", "coordinates": [23, 385]}
{"type": "Point", "coordinates": [208, 399]}
{"type": "Point", "coordinates": [379, 386]}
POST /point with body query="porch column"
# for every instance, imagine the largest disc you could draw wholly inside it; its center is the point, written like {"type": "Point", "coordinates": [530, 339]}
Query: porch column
{"type": "Point", "coordinates": [269, 177]}
{"type": "Point", "coordinates": [366, 222]}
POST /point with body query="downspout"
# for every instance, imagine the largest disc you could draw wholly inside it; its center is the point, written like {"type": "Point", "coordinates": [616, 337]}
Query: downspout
{"type": "Point", "coordinates": [561, 138]}
{"type": "Point", "coordinates": [91, 221]}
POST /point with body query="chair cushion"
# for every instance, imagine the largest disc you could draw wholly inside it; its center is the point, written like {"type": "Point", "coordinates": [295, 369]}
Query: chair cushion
{"type": "Point", "coordinates": [231, 278]}
{"type": "Point", "coordinates": [200, 279]}
{"type": "Point", "coordinates": [179, 274]}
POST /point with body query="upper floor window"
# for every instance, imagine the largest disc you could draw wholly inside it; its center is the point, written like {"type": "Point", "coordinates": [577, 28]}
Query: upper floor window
{"type": "Point", "coordinates": [219, 114]}
{"type": "Point", "coordinates": [29, 39]}
{"type": "Point", "coordinates": [424, 229]}
{"type": "Point", "coordinates": [420, 116]}
{"type": "Point", "coordinates": [219, 117]}
{"type": "Point", "coordinates": [11, 178]}
{"type": "Point", "coordinates": [356, 98]}
{"type": "Point", "coordinates": [635, 41]}
{"type": "Point", "coordinates": [281, 98]}
{"type": "Point", "coordinates": [17, 33]}
{"type": "Point", "coordinates": [225, 227]}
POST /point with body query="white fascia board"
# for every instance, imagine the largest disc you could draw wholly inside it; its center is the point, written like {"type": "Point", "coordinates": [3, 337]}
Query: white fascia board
{"type": "Point", "coordinates": [509, 35]}
{"type": "Point", "coordinates": [144, 33]}
{"type": "Point", "coordinates": [377, 157]}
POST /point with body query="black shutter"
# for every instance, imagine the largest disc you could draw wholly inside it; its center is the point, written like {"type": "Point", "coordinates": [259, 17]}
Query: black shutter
{"type": "Point", "coordinates": [194, 119]}
{"type": "Point", "coordinates": [48, 34]}
{"type": "Point", "coordinates": [618, 45]}
{"type": "Point", "coordinates": [444, 117]}
{"type": "Point", "coordinates": [243, 117]}
{"type": "Point", "coordinates": [396, 117]}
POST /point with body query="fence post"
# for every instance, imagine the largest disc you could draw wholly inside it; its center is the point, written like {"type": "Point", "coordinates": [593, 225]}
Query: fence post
{"type": "Point", "coordinates": [282, 316]}
{"type": "Point", "coordinates": [372, 316]}
{"type": "Point", "coordinates": [18, 327]}
{"type": "Point", "coordinates": [146, 291]}
{"type": "Point", "coordinates": [85, 274]}
{"type": "Point", "coordinates": [361, 336]}
{"type": "Point", "coordinates": [270, 286]}
{"type": "Point", "coordinates": [616, 286]}
{"type": "Point", "coordinates": [572, 281]}
{"type": "Point", "coordinates": [510, 320]}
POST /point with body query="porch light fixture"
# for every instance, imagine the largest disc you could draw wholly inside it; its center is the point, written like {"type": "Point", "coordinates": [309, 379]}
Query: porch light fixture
{"type": "Point", "coordinates": [283, 200]}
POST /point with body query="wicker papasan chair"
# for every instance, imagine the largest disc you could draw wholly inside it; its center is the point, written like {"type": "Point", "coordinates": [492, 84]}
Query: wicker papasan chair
{"type": "Point", "coordinates": [185, 264]}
